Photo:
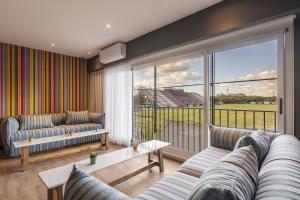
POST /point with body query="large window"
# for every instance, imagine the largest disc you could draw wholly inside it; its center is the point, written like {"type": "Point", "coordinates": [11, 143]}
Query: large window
{"type": "Point", "coordinates": [244, 87]}
{"type": "Point", "coordinates": [239, 87]}
{"type": "Point", "coordinates": [168, 102]}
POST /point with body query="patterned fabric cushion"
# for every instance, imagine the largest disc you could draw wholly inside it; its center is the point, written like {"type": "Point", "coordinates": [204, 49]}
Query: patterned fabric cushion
{"type": "Point", "coordinates": [8, 127]}
{"type": "Point", "coordinates": [233, 177]}
{"type": "Point", "coordinates": [82, 186]}
{"type": "Point", "coordinates": [37, 133]}
{"type": "Point", "coordinates": [81, 127]}
{"type": "Point", "coordinates": [29, 122]}
{"type": "Point", "coordinates": [200, 162]}
{"type": "Point", "coordinates": [272, 135]}
{"type": "Point", "coordinates": [175, 187]}
{"type": "Point", "coordinates": [226, 137]}
{"type": "Point", "coordinates": [279, 177]}
{"type": "Point", "coordinates": [259, 140]}
{"type": "Point", "coordinates": [58, 118]}
{"type": "Point", "coordinates": [80, 117]}
{"type": "Point", "coordinates": [96, 117]}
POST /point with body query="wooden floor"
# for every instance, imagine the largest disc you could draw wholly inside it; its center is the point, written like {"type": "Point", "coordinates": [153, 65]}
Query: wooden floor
{"type": "Point", "coordinates": [15, 184]}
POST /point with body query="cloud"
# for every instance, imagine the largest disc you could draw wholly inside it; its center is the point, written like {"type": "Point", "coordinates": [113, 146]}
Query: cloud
{"type": "Point", "coordinates": [172, 67]}
{"type": "Point", "coordinates": [172, 74]}
{"type": "Point", "coordinates": [178, 78]}
{"type": "Point", "coordinates": [260, 75]}
{"type": "Point", "coordinates": [259, 88]}
{"type": "Point", "coordinates": [256, 88]}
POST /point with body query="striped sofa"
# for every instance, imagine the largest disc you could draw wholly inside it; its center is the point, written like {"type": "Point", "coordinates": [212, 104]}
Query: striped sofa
{"type": "Point", "coordinates": [11, 131]}
{"type": "Point", "coordinates": [277, 178]}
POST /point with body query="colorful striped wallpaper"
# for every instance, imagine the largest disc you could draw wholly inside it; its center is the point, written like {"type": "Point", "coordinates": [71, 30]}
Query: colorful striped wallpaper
{"type": "Point", "coordinates": [34, 81]}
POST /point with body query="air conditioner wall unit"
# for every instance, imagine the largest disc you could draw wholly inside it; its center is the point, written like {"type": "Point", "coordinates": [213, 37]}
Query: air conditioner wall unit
{"type": "Point", "coordinates": [113, 53]}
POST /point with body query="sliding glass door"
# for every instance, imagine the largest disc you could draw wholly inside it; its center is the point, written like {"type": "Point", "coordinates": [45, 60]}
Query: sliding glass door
{"type": "Point", "coordinates": [244, 90]}
{"type": "Point", "coordinates": [240, 86]}
{"type": "Point", "coordinates": [169, 101]}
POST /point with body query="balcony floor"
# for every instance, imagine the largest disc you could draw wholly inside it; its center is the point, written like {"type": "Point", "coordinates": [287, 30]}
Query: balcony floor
{"type": "Point", "coordinates": [27, 185]}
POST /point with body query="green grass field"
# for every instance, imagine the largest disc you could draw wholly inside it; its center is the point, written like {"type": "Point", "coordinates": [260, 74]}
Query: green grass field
{"type": "Point", "coordinates": [247, 116]}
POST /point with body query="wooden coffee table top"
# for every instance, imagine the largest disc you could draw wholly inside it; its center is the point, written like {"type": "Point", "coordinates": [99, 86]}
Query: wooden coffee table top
{"type": "Point", "coordinates": [59, 176]}
{"type": "Point", "coordinates": [44, 140]}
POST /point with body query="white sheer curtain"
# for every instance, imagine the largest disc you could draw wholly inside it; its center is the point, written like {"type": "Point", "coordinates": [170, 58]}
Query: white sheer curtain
{"type": "Point", "coordinates": [118, 103]}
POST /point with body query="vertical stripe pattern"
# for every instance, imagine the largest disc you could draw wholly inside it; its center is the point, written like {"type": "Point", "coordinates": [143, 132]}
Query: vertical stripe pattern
{"type": "Point", "coordinates": [37, 82]}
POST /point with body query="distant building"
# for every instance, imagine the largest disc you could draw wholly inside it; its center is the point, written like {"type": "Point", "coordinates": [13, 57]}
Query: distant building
{"type": "Point", "coordinates": [174, 98]}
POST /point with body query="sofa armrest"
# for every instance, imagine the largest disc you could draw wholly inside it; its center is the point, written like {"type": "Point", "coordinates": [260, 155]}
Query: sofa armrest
{"type": "Point", "coordinates": [86, 187]}
{"type": "Point", "coordinates": [226, 138]}
{"type": "Point", "coordinates": [98, 118]}
{"type": "Point", "coordinates": [8, 127]}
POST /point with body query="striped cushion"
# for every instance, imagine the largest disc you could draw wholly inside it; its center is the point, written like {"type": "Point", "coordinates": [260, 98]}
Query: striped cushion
{"type": "Point", "coordinates": [233, 177]}
{"type": "Point", "coordinates": [81, 127]}
{"type": "Point", "coordinates": [58, 118]}
{"type": "Point", "coordinates": [37, 133]}
{"type": "Point", "coordinates": [259, 140]}
{"type": "Point", "coordinates": [226, 137]}
{"type": "Point", "coordinates": [272, 135]}
{"type": "Point", "coordinates": [279, 177]}
{"type": "Point", "coordinates": [29, 122]}
{"type": "Point", "coordinates": [80, 117]}
{"type": "Point", "coordinates": [82, 186]}
{"type": "Point", "coordinates": [96, 117]}
{"type": "Point", "coordinates": [8, 127]}
{"type": "Point", "coordinates": [175, 187]}
{"type": "Point", "coordinates": [200, 162]}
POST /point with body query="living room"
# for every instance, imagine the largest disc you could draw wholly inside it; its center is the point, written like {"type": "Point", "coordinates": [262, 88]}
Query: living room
{"type": "Point", "coordinates": [150, 99]}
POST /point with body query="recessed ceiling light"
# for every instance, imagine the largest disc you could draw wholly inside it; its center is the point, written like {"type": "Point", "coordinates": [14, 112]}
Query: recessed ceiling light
{"type": "Point", "coordinates": [108, 25]}
{"type": "Point", "coordinates": [52, 44]}
{"type": "Point", "coordinates": [89, 53]}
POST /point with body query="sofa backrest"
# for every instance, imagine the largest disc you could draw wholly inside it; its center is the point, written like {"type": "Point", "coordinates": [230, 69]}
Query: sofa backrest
{"type": "Point", "coordinates": [226, 138]}
{"type": "Point", "coordinates": [279, 177]}
{"type": "Point", "coordinates": [58, 118]}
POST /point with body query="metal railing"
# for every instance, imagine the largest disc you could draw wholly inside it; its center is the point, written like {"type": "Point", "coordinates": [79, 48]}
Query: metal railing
{"type": "Point", "coordinates": [183, 127]}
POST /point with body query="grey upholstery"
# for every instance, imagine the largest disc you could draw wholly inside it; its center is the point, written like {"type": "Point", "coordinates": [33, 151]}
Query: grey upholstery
{"type": "Point", "coordinates": [233, 177]}
{"type": "Point", "coordinates": [79, 117]}
{"type": "Point", "coordinates": [279, 177]}
{"type": "Point", "coordinates": [97, 118]}
{"type": "Point", "coordinates": [226, 138]}
{"type": "Point", "coordinates": [29, 122]}
{"type": "Point", "coordinates": [82, 186]}
{"type": "Point", "coordinates": [200, 162]}
{"type": "Point", "coordinates": [58, 118]}
{"type": "Point", "coordinates": [10, 133]}
{"type": "Point", "coordinates": [36, 133]}
{"type": "Point", "coordinates": [9, 126]}
{"type": "Point", "coordinates": [260, 142]}
{"type": "Point", "coordinates": [175, 187]}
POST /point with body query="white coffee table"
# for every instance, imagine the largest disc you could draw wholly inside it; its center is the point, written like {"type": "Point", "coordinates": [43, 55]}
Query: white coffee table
{"type": "Point", "coordinates": [54, 179]}
{"type": "Point", "coordinates": [24, 145]}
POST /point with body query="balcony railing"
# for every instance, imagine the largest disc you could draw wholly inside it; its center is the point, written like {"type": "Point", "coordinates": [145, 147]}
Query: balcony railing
{"type": "Point", "coordinates": [183, 127]}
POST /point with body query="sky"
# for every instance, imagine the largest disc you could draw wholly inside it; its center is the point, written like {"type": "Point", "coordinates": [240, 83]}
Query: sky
{"type": "Point", "coordinates": [258, 61]}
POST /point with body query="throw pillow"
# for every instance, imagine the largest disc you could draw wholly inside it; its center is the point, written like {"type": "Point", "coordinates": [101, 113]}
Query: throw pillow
{"type": "Point", "coordinates": [226, 138]}
{"type": "Point", "coordinates": [81, 185]}
{"type": "Point", "coordinates": [29, 122]}
{"type": "Point", "coordinates": [79, 117]}
{"type": "Point", "coordinates": [260, 142]}
{"type": "Point", "coordinates": [96, 117]}
{"type": "Point", "coordinates": [233, 178]}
